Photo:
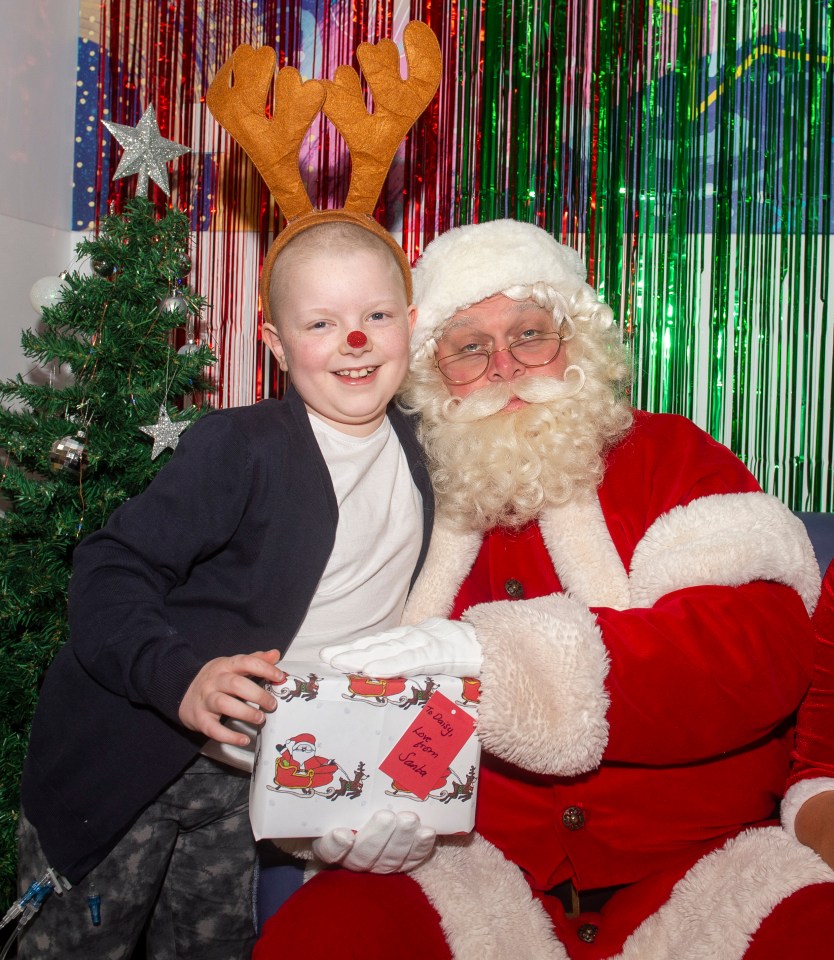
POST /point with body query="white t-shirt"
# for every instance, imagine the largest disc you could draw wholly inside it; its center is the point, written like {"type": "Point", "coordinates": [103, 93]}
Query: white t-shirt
{"type": "Point", "coordinates": [365, 584]}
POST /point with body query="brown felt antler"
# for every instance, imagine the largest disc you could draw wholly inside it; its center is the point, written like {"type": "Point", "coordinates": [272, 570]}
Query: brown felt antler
{"type": "Point", "coordinates": [237, 97]}
{"type": "Point", "coordinates": [373, 138]}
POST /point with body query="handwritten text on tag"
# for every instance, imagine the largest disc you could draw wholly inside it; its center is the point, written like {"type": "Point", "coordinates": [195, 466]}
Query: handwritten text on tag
{"type": "Point", "coordinates": [421, 758]}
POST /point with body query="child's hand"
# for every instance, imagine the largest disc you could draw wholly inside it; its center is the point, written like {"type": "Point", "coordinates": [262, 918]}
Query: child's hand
{"type": "Point", "coordinates": [221, 689]}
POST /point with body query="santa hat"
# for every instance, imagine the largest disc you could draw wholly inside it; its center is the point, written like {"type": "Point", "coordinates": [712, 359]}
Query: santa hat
{"type": "Point", "coordinates": [468, 264]}
{"type": "Point", "coordinates": [303, 738]}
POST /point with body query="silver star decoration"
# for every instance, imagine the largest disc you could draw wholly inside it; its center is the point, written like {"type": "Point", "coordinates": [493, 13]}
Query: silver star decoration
{"type": "Point", "coordinates": [147, 152]}
{"type": "Point", "coordinates": [165, 432]}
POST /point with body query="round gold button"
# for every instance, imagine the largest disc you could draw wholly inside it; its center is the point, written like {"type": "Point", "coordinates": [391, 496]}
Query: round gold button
{"type": "Point", "coordinates": [573, 818]}
{"type": "Point", "coordinates": [514, 589]}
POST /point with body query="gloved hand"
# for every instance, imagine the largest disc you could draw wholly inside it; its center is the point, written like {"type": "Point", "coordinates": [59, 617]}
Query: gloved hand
{"type": "Point", "coordinates": [433, 646]}
{"type": "Point", "coordinates": [388, 843]}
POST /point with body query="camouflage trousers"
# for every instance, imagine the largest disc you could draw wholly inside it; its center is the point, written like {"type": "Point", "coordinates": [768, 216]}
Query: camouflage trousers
{"type": "Point", "coordinates": [182, 875]}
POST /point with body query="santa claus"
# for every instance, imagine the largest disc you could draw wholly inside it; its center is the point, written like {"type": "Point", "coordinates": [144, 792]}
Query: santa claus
{"type": "Point", "coordinates": [637, 611]}
{"type": "Point", "coordinates": [298, 768]}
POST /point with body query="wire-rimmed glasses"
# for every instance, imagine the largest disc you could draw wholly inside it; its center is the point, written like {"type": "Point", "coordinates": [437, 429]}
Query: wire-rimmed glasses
{"type": "Point", "coordinates": [470, 364]}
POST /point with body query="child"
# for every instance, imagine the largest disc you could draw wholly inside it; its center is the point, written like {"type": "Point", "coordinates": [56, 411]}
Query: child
{"type": "Point", "coordinates": [274, 529]}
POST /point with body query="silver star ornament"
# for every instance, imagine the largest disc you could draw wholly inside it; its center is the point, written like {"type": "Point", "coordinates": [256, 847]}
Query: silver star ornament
{"type": "Point", "coordinates": [165, 432]}
{"type": "Point", "coordinates": [147, 152]}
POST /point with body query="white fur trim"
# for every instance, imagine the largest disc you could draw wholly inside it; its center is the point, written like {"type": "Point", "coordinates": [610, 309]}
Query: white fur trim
{"type": "Point", "coordinates": [468, 264]}
{"type": "Point", "coordinates": [583, 553]}
{"type": "Point", "coordinates": [577, 539]}
{"type": "Point", "coordinates": [543, 697]}
{"type": "Point", "coordinates": [720, 903]}
{"type": "Point", "coordinates": [488, 913]}
{"type": "Point", "coordinates": [798, 793]}
{"type": "Point", "coordinates": [448, 561]}
{"type": "Point", "coordinates": [486, 908]}
{"type": "Point", "coordinates": [724, 539]}
{"type": "Point", "coordinates": [299, 847]}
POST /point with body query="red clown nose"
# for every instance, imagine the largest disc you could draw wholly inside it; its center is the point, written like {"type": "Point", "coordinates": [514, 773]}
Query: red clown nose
{"type": "Point", "coordinates": [356, 339]}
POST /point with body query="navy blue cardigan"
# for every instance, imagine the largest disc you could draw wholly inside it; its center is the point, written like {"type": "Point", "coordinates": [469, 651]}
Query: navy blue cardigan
{"type": "Point", "coordinates": [220, 555]}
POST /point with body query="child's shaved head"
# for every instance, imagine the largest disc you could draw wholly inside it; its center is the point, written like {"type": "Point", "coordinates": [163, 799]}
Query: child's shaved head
{"type": "Point", "coordinates": [335, 239]}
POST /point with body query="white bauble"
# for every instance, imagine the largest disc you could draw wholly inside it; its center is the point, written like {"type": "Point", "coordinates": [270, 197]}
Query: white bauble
{"type": "Point", "coordinates": [46, 292]}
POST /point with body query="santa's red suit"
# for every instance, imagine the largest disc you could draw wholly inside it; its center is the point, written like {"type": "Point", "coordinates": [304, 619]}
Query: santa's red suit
{"type": "Point", "coordinates": [643, 655]}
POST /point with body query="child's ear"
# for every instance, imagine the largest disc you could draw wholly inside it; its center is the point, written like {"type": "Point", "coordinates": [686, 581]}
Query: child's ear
{"type": "Point", "coordinates": [412, 318]}
{"type": "Point", "coordinates": [273, 340]}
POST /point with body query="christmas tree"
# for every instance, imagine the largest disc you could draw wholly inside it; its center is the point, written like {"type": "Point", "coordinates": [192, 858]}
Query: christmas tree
{"type": "Point", "coordinates": [92, 433]}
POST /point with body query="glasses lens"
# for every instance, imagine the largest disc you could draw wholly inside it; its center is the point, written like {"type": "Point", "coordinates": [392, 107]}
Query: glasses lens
{"type": "Point", "coordinates": [537, 351]}
{"type": "Point", "coordinates": [463, 367]}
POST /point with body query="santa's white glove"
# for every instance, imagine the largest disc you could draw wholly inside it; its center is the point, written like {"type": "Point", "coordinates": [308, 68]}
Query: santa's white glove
{"type": "Point", "coordinates": [388, 843]}
{"type": "Point", "coordinates": [433, 646]}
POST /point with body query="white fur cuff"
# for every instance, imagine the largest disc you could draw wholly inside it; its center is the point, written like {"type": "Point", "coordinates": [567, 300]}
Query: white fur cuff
{"type": "Point", "coordinates": [801, 791]}
{"type": "Point", "coordinates": [543, 698]}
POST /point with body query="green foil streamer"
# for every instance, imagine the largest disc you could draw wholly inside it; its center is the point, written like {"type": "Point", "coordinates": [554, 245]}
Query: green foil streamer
{"type": "Point", "coordinates": [708, 221]}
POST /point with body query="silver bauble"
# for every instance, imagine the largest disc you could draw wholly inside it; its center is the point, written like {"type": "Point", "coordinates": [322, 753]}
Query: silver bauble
{"type": "Point", "coordinates": [69, 454]}
{"type": "Point", "coordinates": [104, 268]}
{"type": "Point", "coordinates": [190, 346]}
{"type": "Point", "coordinates": [173, 303]}
{"type": "Point", "coordinates": [182, 267]}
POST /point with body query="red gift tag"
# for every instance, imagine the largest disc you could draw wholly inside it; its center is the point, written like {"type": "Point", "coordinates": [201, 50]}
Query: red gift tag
{"type": "Point", "coordinates": [422, 755]}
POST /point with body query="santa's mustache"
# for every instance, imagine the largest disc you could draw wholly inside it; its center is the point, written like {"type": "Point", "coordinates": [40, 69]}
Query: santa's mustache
{"type": "Point", "coordinates": [492, 399]}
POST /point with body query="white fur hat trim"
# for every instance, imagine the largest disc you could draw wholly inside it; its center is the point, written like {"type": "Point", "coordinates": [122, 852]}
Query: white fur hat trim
{"type": "Point", "coordinates": [468, 264]}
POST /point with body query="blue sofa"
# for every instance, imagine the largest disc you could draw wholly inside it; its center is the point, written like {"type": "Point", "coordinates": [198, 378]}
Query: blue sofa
{"type": "Point", "coordinates": [820, 527]}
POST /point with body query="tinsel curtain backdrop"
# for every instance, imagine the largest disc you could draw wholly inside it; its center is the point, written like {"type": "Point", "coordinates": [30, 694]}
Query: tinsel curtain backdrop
{"type": "Point", "coordinates": [684, 148]}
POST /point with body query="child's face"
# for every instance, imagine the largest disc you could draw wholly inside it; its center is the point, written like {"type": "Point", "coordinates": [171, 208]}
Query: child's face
{"type": "Point", "coordinates": [325, 296]}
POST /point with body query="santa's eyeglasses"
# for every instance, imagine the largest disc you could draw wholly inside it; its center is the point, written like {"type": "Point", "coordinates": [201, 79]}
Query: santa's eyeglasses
{"type": "Point", "coordinates": [467, 365]}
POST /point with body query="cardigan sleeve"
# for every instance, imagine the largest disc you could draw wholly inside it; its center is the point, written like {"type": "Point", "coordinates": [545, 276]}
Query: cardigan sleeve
{"type": "Point", "coordinates": [122, 573]}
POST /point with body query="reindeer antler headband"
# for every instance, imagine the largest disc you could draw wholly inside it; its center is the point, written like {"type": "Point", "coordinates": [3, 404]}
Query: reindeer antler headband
{"type": "Point", "coordinates": [237, 97]}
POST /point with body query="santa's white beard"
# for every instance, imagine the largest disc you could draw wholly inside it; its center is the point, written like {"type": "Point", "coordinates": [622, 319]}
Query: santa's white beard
{"type": "Point", "coordinates": [494, 467]}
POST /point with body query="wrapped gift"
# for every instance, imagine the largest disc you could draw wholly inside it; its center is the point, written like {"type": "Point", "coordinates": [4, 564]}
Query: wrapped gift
{"type": "Point", "coordinates": [338, 748]}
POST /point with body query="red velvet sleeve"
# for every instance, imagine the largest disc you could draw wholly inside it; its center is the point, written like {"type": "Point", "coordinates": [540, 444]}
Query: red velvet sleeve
{"type": "Point", "coordinates": [705, 669]}
{"type": "Point", "coordinates": [814, 750]}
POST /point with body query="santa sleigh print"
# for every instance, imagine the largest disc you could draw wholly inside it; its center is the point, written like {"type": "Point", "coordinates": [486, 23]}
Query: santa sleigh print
{"type": "Point", "coordinates": [378, 693]}
{"type": "Point", "coordinates": [299, 770]}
